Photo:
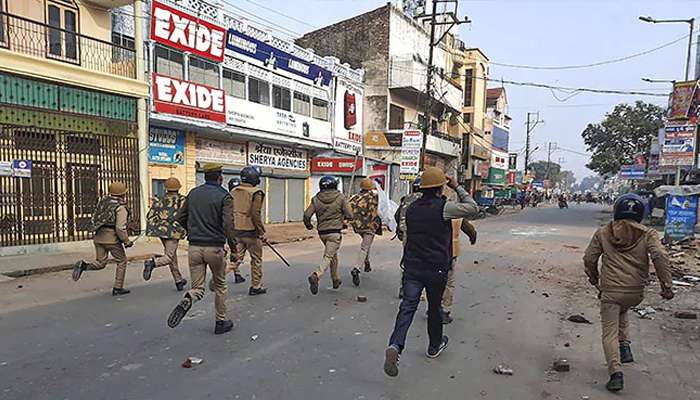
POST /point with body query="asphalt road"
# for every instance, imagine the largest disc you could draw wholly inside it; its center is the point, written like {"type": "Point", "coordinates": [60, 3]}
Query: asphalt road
{"type": "Point", "coordinates": [66, 340]}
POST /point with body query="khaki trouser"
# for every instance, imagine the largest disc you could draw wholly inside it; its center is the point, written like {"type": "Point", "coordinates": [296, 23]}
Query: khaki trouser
{"type": "Point", "coordinates": [170, 257]}
{"type": "Point", "coordinates": [331, 242]}
{"type": "Point", "coordinates": [448, 293]}
{"type": "Point", "coordinates": [199, 258]}
{"type": "Point", "coordinates": [365, 247]}
{"type": "Point", "coordinates": [615, 324]}
{"type": "Point", "coordinates": [253, 246]}
{"type": "Point", "coordinates": [101, 253]}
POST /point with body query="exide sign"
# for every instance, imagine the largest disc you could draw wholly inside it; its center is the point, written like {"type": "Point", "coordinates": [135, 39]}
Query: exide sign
{"type": "Point", "coordinates": [188, 99]}
{"type": "Point", "coordinates": [182, 31]}
{"type": "Point", "coordinates": [328, 164]}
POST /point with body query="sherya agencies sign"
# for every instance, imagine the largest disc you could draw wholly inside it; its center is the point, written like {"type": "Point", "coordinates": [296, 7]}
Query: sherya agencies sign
{"type": "Point", "coordinates": [188, 99]}
{"type": "Point", "coordinates": [267, 155]}
{"type": "Point", "coordinates": [182, 31]}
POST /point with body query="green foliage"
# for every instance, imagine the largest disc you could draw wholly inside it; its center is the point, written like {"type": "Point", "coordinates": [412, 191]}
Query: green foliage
{"type": "Point", "coordinates": [627, 130]}
{"type": "Point", "coordinates": [539, 168]}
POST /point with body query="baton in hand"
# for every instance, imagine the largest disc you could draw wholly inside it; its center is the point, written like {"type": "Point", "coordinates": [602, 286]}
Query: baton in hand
{"type": "Point", "coordinates": [284, 260]}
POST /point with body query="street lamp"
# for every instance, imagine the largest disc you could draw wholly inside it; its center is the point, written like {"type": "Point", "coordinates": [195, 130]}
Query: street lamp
{"type": "Point", "coordinates": [690, 21]}
{"type": "Point", "coordinates": [671, 81]}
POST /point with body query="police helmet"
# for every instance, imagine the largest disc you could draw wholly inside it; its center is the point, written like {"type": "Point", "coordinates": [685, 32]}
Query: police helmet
{"type": "Point", "coordinates": [251, 175]}
{"type": "Point", "coordinates": [328, 182]}
{"type": "Point", "coordinates": [233, 182]}
{"type": "Point", "coordinates": [629, 206]}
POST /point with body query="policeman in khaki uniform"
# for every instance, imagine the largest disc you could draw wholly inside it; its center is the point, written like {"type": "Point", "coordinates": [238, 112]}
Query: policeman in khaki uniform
{"type": "Point", "coordinates": [366, 223]}
{"type": "Point", "coordinates": [250, 232]}
{"type": "Point", "coordinates": [207, 214]}
{"type": "Point", "coordinates": [626, 247]}
{"type": "Point", "coordinates": [233, 255]}
{"type": "Point", "coordinates": [109, 222]}
{"type": "Point", "coordinates": [162, 224]}
{"type": "Point", "coordinates": [331, 209]}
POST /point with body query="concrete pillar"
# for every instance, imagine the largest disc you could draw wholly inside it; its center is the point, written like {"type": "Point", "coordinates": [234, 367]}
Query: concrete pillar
{"type": "Point", "coordinates": [142, 113]}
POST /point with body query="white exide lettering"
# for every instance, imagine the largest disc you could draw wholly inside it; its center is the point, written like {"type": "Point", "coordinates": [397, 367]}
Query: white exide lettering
{"type": "Point", "coordinates": [162, 23]}
{"type": "Point", "coordinates": [203, 97]}
{"type": "Point", "coordinates": [187, 32]}
{"type": "Point", "coordinates": [164, 88]}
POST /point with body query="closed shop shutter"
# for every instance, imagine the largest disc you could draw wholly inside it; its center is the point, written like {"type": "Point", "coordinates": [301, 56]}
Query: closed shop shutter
{"type": "Point", "coordinates": [295, 207]}
{"type": "Point", "coordinates": [276, 200]}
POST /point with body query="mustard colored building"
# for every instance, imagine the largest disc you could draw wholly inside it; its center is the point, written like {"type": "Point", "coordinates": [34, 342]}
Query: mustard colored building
{"type": "Point", "coordinates": [72, 117]}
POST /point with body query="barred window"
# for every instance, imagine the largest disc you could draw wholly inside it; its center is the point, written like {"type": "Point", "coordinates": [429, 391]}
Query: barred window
{"type": "Point", "coordinates": [234, 83]}
{"type": "Point", "coordinates": [281, 98]}
{"type": "Point", "coordinates": [169, 62]}
{"type": "Point", "coordinates": [302, 104]}
{"type": "Point", "coordinates": [204, 72]}
{"type": "Point", "coordinates": [258, 91]}
{"type": "Point", "coordinates": [320, 109]}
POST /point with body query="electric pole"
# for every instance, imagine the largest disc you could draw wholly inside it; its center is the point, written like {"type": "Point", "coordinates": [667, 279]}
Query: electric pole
{"type": "Point", "coordinates": [530, 127]}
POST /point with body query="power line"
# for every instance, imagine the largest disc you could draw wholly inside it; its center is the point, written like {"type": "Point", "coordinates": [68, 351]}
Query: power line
{"type": "Point", "coordinates": [272, 10]}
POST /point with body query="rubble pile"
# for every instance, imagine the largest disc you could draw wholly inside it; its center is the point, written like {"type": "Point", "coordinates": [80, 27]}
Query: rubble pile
{"type": "Point", "coordinates": [685, 260]}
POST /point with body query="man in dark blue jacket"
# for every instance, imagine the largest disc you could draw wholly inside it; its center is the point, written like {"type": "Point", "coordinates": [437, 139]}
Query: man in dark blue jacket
{"type": "Point", "coordinates": [427, 259]}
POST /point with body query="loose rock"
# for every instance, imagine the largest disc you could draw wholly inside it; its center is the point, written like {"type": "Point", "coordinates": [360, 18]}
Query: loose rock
{"type": "Point", "coordinates": [579, 319]}
{"type": "Point", "coordinates": [561, 365]}
{"type": "Point", "coordinates": [685, 315]}
{"type": "Point", "coordinates": [362, 299]}
{"type": "Point", "coordinates": [503, 370]}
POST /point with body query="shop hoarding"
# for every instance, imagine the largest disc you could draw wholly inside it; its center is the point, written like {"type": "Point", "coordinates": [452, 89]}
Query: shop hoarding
{"type": "Point", "coordinates": [347, 134]}
{"type": "Point", "coordinates": [166, 146]}
{"type": "Point", "coordinates": [188, 99]}
{"type": "Point", "coordinates": [681, 216]}
{"type": "Point", "coordinates": [678, 147]}
{"type": "Point", "coordinates": [274, 156]}
{"type": "Point", "coordinates": [341, 165]}
{"type": "Point", "coordinates": [219, 151]}
{"type": "Point", "coordinates": [411, 144]}
{"type": "Point", "coordinates": [682, 99]}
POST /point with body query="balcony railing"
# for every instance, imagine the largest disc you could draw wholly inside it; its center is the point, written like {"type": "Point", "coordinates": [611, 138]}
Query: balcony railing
{"type": "Point", "coordinates": [408, 73]}
{"type": "Point", "coordinates": [37, 39]}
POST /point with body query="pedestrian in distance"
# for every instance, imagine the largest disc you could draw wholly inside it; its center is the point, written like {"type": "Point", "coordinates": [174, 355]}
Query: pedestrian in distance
{"type": "Point", "coordinates": [331, 210]}
{"type": "Point", "coordinates": [109, 222]}
{"type": "Point", "coordinates": [626, 247]}
{"type": "Point", "coordinates": [161, 223]}
{"type": "Point", "coordinates": [427, 259]}
{"type": "Point", "coordinates": [207, 215]}
{"type": "Point", "coordinates": [232, 245]}
{"type": "Point", "coordinates": [366, 223]}
{"type": "Point", "coordinates": [248, 201]}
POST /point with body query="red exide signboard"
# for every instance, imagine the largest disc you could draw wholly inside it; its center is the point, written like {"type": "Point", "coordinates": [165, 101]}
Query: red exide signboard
{"type": "Point", "coordinates": [182, 31]}
{"type": "Point", "coordinates": [188, 99]}
{"type": "Point", "coordinates": [328, 164]}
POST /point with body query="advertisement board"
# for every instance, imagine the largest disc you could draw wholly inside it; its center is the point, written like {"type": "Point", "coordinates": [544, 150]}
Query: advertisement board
{"type": "Point", "coordinates": [275, 58]}
{"type": "Point", "coordinates": [347, 135]}
{"type": "Point", "coordinates": [682, 99]}
{"type": "Point", "coordinates": [273, 156]}
{"type": "Point", "coordinates": [411, 144]}
{"type": "Point", "coordinates": [184, 32]}
{"type": "Point", "coordinates": [336, 165]}
{"type": "Point", "coordinates": [166, 146]}
{"type": "Point", "coordinates": [218, 151]}
{"type": "Point", "coordinates": [188, 99]}
{"type": "Point", "coordinates": [678, 147]}
{"type": "Point", "coordinates": [681, 214]}
{"type": "Point", "coordinates": [22, 168]}
{"type": "Point", "coordinates": [632, 172]}
{"type": "Point", "coordinates": [512, 161]}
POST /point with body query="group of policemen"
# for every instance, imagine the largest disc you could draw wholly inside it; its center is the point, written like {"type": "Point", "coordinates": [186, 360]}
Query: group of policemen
{"type": "Point", "coordinates": [428, 225]}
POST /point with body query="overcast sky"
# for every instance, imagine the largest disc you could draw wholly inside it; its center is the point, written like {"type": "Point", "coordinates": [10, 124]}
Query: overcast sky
{"type": "Point", "coordinates": [545, 33]}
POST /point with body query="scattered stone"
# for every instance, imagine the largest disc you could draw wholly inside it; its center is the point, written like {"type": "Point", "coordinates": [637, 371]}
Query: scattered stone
{"type": "Point", "coordinates": [579, 319]}
{"type": "Point", "coordinates": [502, 370]}
{"type": "Point", "coordinates": [191, 361]}
{"type": "Point", "coordinates": [19, 286]}
{"type": "Point", "coordinates": [254, 338]}
{"type": "Point", "coordinates": [646, 312]}
{"type": "Point", "coordinates": [545, 294]}
{"type": "Point", "coordinates": [532, 291]}
{"type": "Point", "coordinates": [689, 278]}
{"type": "Point", "coordinates": [561, 365]}
{"type": "Point", "coordinates": [685, 315]}
{"type": "Point", "coordinates": [476, 262]}
{"type": "Point", "coordinates": [362, 299]}
{"type": "Point", "coordinates": [681, 283]}
{"type": "Point", "coordinates": [567, 344]}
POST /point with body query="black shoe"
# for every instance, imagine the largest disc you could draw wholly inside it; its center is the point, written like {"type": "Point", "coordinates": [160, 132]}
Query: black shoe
{"type": "Point", "coordinates": [336, 284]}
{"type": "Point", "coordinates": [368, 267]}
{"type": "Point", "coordinates": [434, 352]}
{"type": "Point", "coordinates": [223, 327]}
{"type": "Point", "coordinates": [78, 269]}
{"type": "Point", "coordinates": [120, 291]}
{"type": "Point", "coordinates": [446, 317]}
{"type": "Point", "coordinates": [625, 353]}
{"type": "Point", "coordinates": [180, 311]}
{"type": "Point", "coordinates": [355, 276]}
{"type": "Point", "coordinates": [238, 278]}
{"type": "Point", "coordinates": [148, 267]}
{"type": "Point", "coordinates": [391, 361]}
{"type": "Point", "coordinates": [255, 292]}
{"type": "Point", "coordinates": [180, 286]}
{"type": "Point", "coordinates": [401, 292]}
{"type": "Point", "coordinates": [313, 283]}
{"type": "Point", "coordinates": [211, 285]}
{"type": "Point", "coordinates": [616, 382]}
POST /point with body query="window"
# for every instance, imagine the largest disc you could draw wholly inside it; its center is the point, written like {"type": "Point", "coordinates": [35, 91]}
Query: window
{"type": "Point", "coordinates": [3, 24]}
{"type": "Point", "coordinates": [468, 87]}
{"type": "Point", "coordinates": [204, 72]}
{"type": "Point", "coordinates": [281, 98]}
{"type": "Point", "coordinates": [421, 121]}
{"type": "Point", "coordinates": [258, 91]}
{"type": "Point", "coordinates": [433, 125]}
{"type": "Point", "coordinates": [320, 109]}
{"type": "Point", "coordinates": [123, 40]}
{"type": "Point", "coordinates": [169, 62]}
{"type": "Point", "coordinates": [157, 187]}
{"type": "Point", "coordinates": [467, 118]}
{"type": "Point", "coordinates": [234, 83]}
{"type": "Point", "coordinates": [63, 26]}
{"type": "Point", "coordinates": [302, 104]}
{"type": "Point", "coordinates": [396, 117]}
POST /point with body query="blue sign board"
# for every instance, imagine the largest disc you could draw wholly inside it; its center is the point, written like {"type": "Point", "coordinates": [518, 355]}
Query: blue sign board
{"type": "Point", "coordinates": [22, 168]}
{"type": "Point", "coordinates": [681, 214]}
{"type": "Point", "coordinates": [276, 58]}
{"type": "Point", "coordinates": [632, 172]}
{"type": "Point", "coordinates": [166, 146]}
{"type": "Point", "coordinates": [500, 138]}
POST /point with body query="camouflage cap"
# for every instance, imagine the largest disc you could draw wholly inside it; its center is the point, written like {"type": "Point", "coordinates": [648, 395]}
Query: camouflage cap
{"type": "Point", "coordinates": [367, 184]}
{"type": "Point", "coordinates": [212, 167]}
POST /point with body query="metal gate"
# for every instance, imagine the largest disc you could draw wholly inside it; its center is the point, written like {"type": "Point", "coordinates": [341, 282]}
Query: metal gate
{"type": "Point", "coordinates": [276, 200]}
{"type": "Point", "coordinates": [70, 172]}
{"type": "Point", "coordinates": [295, 200]}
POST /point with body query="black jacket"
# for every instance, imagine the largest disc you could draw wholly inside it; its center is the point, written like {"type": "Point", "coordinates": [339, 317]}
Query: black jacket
{"type": "Point", "coordinates": [208, 215]}
{"type": "Point", "coordinates": [428, 236]}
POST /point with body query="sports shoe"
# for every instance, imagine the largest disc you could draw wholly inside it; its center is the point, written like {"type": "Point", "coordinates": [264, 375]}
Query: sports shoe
{"type": "Point", "coordinates": [78, 269]}
{"type": "Point", "coordinates": [616, 382]}
{"type": "Point", "coordinates": [368, 267]}
{"type": "Point", "coordinates": [180, 311]}
{"type": "Point", "coordinates": [355, 276]}
{"type": "Point", "coordinates": [446, 317]}
{"type": "Point", "coordinates": [434, 352]}
{"type": "Point", "coordinates": [256, 291]}
{"type": "Point", "coordinates": [120, 291]}
{"type": "Point", "coordinates": [148, 267]}
{"type": "Point", "coordinates": [223, 327]}
{"type": "Point", "coordinates": [391, 361]}
{"type": "Point", "coordinates": [238, 278]}
{"type": "Point", "coordinates": [180, 286]}
{"type": "Point", "coordinates": [313, 283]}
{"type": "Point", "coordinates": [337, 283]}
{"type": "Point", "coordinates": [625, 353]}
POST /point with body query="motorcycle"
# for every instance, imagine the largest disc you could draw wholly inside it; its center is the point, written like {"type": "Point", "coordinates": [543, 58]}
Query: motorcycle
{"type": "Point", "coordinates": [563, 204]}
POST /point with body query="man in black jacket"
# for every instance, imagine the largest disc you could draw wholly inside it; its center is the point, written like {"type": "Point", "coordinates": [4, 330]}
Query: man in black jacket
{"type": "Point", "coordinates": [427, 259]}
{"type": "Point", "coordinates": [207, 214]}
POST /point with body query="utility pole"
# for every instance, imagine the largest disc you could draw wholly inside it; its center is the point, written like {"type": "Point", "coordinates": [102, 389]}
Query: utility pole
{"type": "Point", "coordinates": [530, 127]}
{"type": "Point", "coordinates": [549, 159]}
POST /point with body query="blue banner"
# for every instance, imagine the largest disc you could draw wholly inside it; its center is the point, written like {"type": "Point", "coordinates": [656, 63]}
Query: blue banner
{"type": "Point", "coordinates": [261, 51]}
{"type": "Point", "coordinates": [500, 138]}
{"type": "Point", "coordinates": [681, 214]}
{"type": "Point", "coordinates": [166, 146]}
{"type": "Point", "coordinates": [633, 172]}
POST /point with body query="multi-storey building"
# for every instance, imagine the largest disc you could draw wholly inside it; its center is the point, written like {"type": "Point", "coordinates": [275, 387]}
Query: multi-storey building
{"type": "Point", "coordinates": [498, 127]}
{"type": "Point", "coordinates": [72, 118]}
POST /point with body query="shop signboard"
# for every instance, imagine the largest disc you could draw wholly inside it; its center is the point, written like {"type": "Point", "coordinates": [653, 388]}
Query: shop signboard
{"type": "Point", "coordinates": [188, 99]}
{"type": "Point", "coordinates": [411, 144]}
{"type": "Point", "coordinates": [22, 168]}
{"type": "Point", "coordinates": [678, 147]}
{"type": "Point", "coordinates": [497, 176]}
{"type": "Point", "coordinates": [273, 156]}
{"type": "Point", "coordinates": [166, 146]}
{"type": "Point", "coordinates": [185, 32]}
{"type": "Point", "coordinates": [5, 168]}
{"type": "Point", "coordinates": [632, 172]}
{"type": "Point", "coordinates": [513, 161]}
{"type": "Point", "coordinates": [336, 165]}
{"type": "Point", "coordinates": [347, 132]}
{"type": "Point", "coordinates": [681, 215]}
{"type": "Point", "coordinates": [275, 58]}
{"type": "Point", "coordinates": [510, 177]}
{"type": "Point", "coordinates": [219, 151]}
{"type": "Point", "coordinates": [383, 140]}
{"type": "Point", "coordinates": [682, 99]}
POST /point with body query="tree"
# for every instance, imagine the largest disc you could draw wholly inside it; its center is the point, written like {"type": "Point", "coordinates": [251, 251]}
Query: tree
{"type": "Point", "coordinates": [625, 131]}
{"type": "Point", "coordinates": [542, 172]}
{"type": "Point", "coordinates": [567, 179]}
